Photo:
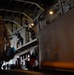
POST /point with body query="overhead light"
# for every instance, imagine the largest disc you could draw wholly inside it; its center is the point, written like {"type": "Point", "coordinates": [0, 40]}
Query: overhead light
{"type": "Point", "coordinates": [51, 12]}
{"type": "Point", "coordinates": [32, 24]}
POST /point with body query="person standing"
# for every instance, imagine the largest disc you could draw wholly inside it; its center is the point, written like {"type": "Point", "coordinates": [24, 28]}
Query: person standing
{"type": "Point", "coordinates": [4, 38]}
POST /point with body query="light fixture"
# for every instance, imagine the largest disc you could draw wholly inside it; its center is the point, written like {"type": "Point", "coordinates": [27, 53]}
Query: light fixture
{"type": "Point", "coordinates": [51, 12]}
{"type": "Point", "coordinates": [31, 25]}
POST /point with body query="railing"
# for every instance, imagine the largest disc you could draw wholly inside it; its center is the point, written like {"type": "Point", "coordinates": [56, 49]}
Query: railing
{"type": "Point", "coordinates": [22, 36]}
{"type": "Point", "coordinates": [52, 14]}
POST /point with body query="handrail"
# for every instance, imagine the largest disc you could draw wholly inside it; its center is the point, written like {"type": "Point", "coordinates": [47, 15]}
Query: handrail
{"type": "Point", "coordinates": [46, 12]}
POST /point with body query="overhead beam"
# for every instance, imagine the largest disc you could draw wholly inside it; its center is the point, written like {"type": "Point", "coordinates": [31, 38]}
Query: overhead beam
{"type": "Point", "coordinates": [17, 24]}
{"type": "Point", "coordinates": [20, 27]}
{"type": "Point", "coordinates": [17, 12]}
{"type": "Point", "coordinates": [9, 31]}
{"type": "Point", "coordinates": [13, 22]}
{"type": "Point", "coordinates": [29, 6]}
{"type": "Point", "coordinates": [10, 1]}
{"type": "Point", "coordinates": [22, 5]}
{"type": "Point", "coordinates": [7, 28]}
{"type": "Point", "coordinates": [31, 3]}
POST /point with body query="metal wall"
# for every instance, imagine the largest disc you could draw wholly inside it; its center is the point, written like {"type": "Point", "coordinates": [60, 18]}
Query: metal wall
{"type": "Point", "coordinates": [56, 41]}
